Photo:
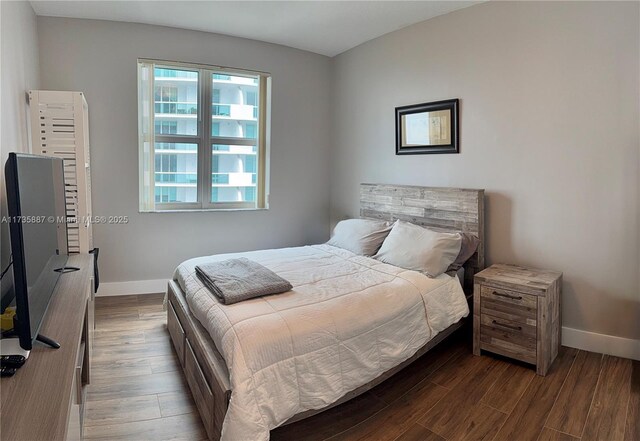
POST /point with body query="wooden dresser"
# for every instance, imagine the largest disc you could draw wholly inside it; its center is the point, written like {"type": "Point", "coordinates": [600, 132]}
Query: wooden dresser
{"type": "Point", "coordinates": [516, 313]}
{"type": "Point", "coordinates": [44, 400]}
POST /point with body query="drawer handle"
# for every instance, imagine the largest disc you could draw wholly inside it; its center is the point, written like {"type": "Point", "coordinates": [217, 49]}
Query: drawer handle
{"type": "Point", "coordinates": [517, 328]}
{"type": "Point", "coordinates": [496, 293]}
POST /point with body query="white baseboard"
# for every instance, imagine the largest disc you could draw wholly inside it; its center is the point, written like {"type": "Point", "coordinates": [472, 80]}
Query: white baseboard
{"type": "Point", "coordinates": [107, 289]}
{"type": "Point", "coordinates": [601, 343]}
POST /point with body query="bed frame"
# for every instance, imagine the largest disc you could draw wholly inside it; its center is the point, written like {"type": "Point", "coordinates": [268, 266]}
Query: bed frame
{"type": "Point", "coordinates": [442, 209]}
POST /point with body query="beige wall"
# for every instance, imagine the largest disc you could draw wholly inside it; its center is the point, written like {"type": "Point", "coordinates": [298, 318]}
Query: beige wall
{"type": "Point", "coordinates": [549, 126]}
{"type": "Point", "coordinates": [99, 58]}
{"type": "Point", "coordinates": [18, 73]}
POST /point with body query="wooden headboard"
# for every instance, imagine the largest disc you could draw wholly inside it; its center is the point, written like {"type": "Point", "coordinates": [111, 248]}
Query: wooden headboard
{"type": "Point", "coordinates": [439, 208]}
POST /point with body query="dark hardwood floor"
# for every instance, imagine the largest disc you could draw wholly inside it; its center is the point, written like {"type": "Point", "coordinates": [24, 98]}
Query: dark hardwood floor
{"type": "Point", "coordinates": [138, 393]}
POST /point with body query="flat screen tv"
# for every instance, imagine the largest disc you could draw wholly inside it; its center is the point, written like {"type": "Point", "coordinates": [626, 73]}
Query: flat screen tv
{"type": "Point", "coordinates": [37, 223]}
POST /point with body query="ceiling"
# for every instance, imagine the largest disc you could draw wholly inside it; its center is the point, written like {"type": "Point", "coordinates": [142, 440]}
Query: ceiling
{"type": "Point", "coordinates": [324, 27]}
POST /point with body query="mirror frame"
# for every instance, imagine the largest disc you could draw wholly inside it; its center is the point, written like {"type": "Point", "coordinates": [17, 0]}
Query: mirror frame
{"type": "Point", "coordinates": [454, 147]}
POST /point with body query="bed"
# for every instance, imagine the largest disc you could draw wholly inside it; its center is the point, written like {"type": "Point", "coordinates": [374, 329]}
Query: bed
{"type": "Point", "coordinates": [341, 331]}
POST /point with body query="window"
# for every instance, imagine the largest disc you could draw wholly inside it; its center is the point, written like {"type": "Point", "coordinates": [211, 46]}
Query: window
{"type": "Point", "coordinates": [202, 137]}
{"type": "Point", "coordinates": [165, 99]}
{"type": "Point", "coordinates": [250, 164]}
{"type": "Point", "coordinates": [249, 192]}
{"type": "Point", "coordinates": [166, 127]}
{"type": "Point", "coordinates": [250, 130]}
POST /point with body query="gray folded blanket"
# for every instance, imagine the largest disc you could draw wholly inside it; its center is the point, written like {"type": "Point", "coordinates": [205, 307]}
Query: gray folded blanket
{"type": "Point", "coordinates": [235, 280]}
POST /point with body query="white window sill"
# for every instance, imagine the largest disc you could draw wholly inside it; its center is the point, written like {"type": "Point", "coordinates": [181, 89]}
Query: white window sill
{"type": "Point", "coordinates": [201, 210]}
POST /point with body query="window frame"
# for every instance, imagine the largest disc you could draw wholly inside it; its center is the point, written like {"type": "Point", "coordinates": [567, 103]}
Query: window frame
{"type": "Point", "coordinates": [205, 138]}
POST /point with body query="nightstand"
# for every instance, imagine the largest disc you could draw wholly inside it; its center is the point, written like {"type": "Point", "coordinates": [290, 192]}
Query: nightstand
{"type": "Point", "coordinates": [516, 313]}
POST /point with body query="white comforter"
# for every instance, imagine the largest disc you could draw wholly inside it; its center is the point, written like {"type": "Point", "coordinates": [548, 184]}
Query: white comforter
{"type": "Point", "coordinates": [347, 320]}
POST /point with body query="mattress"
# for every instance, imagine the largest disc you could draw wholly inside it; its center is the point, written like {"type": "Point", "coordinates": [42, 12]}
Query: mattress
{"type": "Point", "coordinates": [347, 320]}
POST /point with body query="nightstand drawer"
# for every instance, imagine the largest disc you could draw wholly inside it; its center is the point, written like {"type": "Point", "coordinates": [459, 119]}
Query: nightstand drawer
{"type": "Point", "coordinates": [508, 338]}
{"type": "Point", "coordinates": [508, 349]}
{"type": "Point", "coordinates": [509, 305]}
{"type": "Point", "coordinates": [510, 326]}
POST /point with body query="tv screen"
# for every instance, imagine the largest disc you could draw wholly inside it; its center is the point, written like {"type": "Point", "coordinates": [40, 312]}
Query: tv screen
{"type": "Point", "coordinates": [37, 221]}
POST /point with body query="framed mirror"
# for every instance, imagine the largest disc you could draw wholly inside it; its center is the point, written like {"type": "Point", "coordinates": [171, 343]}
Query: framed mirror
{"type": "Point", "coordinates": [427, 128]}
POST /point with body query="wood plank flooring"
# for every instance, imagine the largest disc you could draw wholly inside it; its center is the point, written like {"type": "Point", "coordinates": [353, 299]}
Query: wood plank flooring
{"type": "Point", "coordinates": [137, 389]}
{"type": "Point", "coordinates": [138, 393]}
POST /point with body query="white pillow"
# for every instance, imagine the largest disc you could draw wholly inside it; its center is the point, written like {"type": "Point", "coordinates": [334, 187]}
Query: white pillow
{"type": "Point", "coordinates": [361, 236]}
{"type": "Point", "coordinates": [420, 249]}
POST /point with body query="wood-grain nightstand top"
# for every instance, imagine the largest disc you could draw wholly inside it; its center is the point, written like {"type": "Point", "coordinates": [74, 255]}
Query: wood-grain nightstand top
{"type": "Point", "coordinates": [532, 280]}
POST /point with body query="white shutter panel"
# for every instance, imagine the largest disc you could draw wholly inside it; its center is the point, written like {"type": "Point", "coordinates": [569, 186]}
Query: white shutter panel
{"type": "Point", "coordinates": [60, 127]}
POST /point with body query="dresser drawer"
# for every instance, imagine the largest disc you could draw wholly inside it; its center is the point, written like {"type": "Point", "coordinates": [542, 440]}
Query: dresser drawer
{"type": "Point", "coordinates": [176, 332]}
{"type": "Point", "coordinates": [508, 338]}
{"type": "Point", "coordinates": [200, 389]}
{"type": "Point", "coordinates": [518, 329]}
{"type": "Point", "coordinates": [509, 305]}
